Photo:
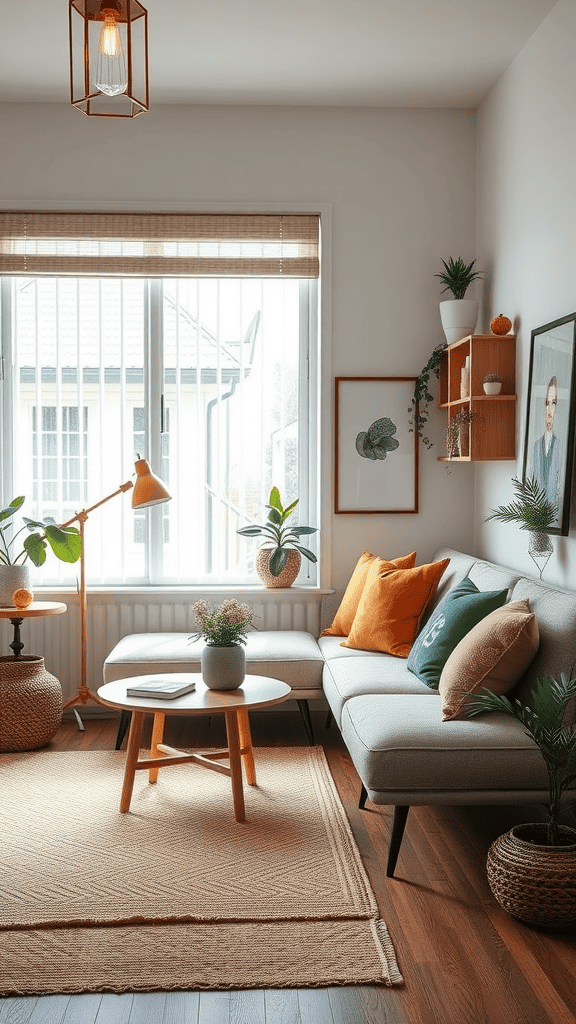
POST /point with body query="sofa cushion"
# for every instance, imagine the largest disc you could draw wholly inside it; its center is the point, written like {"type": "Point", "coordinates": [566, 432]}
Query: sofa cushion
{"type": "Point", "coordinates": [555, 610]}
{"type": "Point", "coordinates": [390, 607]}
{"type": "Point", "coordinates": [399, 743]}
{"type": "Point", "coordinates": [365, 672]}
{"type": "Point", "coordinates": [290, 655]}
{"type": "Point", "coordinates": [344, 617]}
{"type": "Point", "coordinates": [456, 615]}
{"type": "Point", "coordinates": [493, 656]}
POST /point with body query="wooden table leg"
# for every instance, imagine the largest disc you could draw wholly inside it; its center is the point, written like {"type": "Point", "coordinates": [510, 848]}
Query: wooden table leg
{"type": "Point", "coordinates": [246, 746]}
{"type": "Point", "coordinates": [235, 764]}
{"type": "Point", "coordinates": [131, 759]}
{"type": "Point", "coordinates": [157, 734]}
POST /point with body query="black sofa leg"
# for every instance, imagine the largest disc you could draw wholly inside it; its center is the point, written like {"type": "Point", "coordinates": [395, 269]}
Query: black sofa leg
{"type": "Point", "coordinates": [400, 816]}
{"type": "Point", "coordinates": [363, 797]}
{"type": "Point", "coordinates": [329, 718]}
{"type": "Point", "coordinates": [305, 712]}
{"type": "Point", "coordinates": [125, 717]}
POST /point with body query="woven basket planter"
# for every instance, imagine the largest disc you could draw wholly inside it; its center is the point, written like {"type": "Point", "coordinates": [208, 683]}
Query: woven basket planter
{"type": "Point", "coordinates": [30, 703]}
{"type": "Point", "coordinates": [533, 882]}
{"type": "Point", "coordinates": [288, 574]}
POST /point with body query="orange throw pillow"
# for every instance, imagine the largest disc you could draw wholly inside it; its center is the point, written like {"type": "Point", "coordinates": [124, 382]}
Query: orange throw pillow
{"type": "Point", "coordinates": [344, 617]}
{"type": "Point", "coordinates": [391, 605]}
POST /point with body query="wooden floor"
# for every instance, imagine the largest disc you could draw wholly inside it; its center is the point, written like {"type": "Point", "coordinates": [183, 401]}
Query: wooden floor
{"type": "Point", "coordinates": [464, 960]}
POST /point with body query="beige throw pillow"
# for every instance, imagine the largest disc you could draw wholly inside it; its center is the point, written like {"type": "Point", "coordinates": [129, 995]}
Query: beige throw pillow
{"type": "Point", "coordinates": [494, 654]}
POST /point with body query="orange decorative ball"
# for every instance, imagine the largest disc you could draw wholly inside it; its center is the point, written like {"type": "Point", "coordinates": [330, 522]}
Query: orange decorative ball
{"type": "Point", "coordinates": [22, 598]}
{"type": "Point", "coordinates": [500, 324]}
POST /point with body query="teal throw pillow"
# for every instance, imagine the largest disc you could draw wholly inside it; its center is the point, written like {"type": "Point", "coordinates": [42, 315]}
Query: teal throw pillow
{"type": "Point", "coordinates": [458, 612]}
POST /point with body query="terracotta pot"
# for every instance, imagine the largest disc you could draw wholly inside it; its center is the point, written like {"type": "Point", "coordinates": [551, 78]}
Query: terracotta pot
{"type": "Point", "coordinates": [534, 882]}
{"type": "Point", "coordinates": [288, 574]}
{"type": "Point", "coordinates": [223, 668]}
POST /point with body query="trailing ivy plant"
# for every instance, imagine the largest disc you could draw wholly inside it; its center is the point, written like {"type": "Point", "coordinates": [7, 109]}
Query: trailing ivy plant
{"type": "Point", "coordinates": [423, 396]}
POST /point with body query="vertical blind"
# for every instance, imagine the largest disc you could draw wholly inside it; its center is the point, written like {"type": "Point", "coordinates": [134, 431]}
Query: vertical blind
{"type": "Point", "coordinates": [159, 245]}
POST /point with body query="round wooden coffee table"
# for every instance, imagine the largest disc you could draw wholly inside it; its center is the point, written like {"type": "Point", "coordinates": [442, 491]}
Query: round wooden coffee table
{"type": "Point", "coordinates": [255, 692]}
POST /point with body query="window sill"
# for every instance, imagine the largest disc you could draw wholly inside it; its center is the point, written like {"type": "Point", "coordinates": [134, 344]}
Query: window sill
{"type": "Point", "coordinates": [195, 591]}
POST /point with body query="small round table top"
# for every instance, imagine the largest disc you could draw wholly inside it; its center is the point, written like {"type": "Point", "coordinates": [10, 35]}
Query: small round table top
{"type": "Point", "coordinates": [255, 692]}
{"type": "Point", "coordinates": [36, 608]}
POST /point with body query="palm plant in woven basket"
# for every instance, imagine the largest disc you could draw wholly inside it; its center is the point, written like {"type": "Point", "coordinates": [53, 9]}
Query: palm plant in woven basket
{"type": "Point", "coordinates": [532, 869]}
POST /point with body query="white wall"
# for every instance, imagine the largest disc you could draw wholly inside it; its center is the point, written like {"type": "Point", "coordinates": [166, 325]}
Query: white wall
{"type": "Point", "coordinates": [527, 241]}
{"type": "Point", "coordinates": [401, 185]}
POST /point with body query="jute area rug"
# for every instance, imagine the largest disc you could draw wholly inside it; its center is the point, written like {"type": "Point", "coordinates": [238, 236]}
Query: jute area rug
{"type": "Point", "coordinates": [176, 894]}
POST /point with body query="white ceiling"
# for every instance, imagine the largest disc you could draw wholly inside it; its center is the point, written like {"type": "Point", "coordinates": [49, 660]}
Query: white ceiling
{"type": "Point", "coordinates": [407, 53]}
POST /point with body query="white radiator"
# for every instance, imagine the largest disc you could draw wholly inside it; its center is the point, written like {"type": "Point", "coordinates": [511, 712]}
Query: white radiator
{"type": "Point", "coordinates": [111, 616]}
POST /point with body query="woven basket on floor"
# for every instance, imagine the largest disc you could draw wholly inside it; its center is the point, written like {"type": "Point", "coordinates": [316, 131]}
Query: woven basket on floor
{"type": "Point", "coordinates": [534, 882]}
{"type": "Point", "coordinates": [30, 703]}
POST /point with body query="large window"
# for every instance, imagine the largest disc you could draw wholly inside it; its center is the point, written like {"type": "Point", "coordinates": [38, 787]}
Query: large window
{"type": "Point", "coordinates": [206, 377]}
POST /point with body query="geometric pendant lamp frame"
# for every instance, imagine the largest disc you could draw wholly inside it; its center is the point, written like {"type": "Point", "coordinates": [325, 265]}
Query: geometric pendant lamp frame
{"type": "Point", "coordinates": [84, 18]}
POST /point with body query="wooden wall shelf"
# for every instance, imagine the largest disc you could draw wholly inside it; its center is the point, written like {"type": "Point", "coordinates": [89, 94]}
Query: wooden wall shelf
{"type": "Point", "coordinates": [492, 432]}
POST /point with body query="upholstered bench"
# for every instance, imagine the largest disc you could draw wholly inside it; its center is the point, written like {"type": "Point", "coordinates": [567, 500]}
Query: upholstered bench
{"type": "Point", "coordinates": [289, 655]}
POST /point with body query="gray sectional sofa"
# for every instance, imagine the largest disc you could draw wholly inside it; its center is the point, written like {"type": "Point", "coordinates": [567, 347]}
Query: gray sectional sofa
{"type": "Point", "coordinates": [390, 721]}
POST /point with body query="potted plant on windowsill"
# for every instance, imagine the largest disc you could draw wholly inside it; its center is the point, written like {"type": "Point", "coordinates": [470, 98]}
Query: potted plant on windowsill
{"type": "Point", "coordinates": [535, 513]}
{"type": "Point", "coordinates": [66, 544]}
{"type": "Point", "coordinates": [278, 559]}
{"type": "Point", "coordinates": [532, 868]}
{"type": "Point", "coordinates": [458, 315]}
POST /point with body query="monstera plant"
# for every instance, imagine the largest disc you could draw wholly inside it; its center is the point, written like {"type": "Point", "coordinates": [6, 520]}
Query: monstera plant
{"type": "Point", "coordinates": [377, 441]}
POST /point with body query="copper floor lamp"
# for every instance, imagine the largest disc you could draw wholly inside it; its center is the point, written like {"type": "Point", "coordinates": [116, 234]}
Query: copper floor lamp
{"type": "Point", "coordinates": [148, 490]}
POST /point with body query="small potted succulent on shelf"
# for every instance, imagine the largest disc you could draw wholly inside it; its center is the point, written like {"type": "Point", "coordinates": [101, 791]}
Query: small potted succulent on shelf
{"type": "Point", "coordinates": [224, 629]}
{"type": "Point", "coordinates": [278, 560]}
{"type": "Point", "coordinates": [458, 314]}
{"type": "Point", "coordinates": [66, 544]}
{"type": "Point", "coordinates": [529, 867]}
{"type": "Point", "coordinates": [492, 383]}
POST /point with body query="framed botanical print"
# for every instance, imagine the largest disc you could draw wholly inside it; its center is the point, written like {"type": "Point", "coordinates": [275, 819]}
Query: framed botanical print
{"type": "Point", "coordinates": [376, 453]}
{"type": "Point", "coordinates": [551, 413]}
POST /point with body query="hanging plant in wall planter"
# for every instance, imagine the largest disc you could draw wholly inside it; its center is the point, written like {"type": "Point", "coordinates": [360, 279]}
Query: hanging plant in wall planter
{"type": "Point", "coordinates": [535, 512]}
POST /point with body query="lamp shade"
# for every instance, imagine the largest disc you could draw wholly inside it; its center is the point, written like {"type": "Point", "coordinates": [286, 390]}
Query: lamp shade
{"type": "Point", "coordinates": [108, 57]}
{"type": "Point", "coordinates": [148, 489]}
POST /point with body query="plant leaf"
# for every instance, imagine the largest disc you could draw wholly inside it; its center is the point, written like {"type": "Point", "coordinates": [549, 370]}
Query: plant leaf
{"type": "Point", "coordinates": [65, 543]}
{"type": "Point", "coordinates": [35, 547]}
{"type": "Point", "coordinates": [306, 552]}
{"type": "Point", "coordinates": [278, 560]}
{"type": "Point", "coordinates": [13, 507]}
{"type": "Point", "coordinates": [274, 499]}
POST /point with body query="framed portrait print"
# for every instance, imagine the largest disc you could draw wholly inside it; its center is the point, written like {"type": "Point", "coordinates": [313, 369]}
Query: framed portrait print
{"type": "Point", "coordinates": [550, 414]}
{"type": "Point", "coordinates": [376, 453]}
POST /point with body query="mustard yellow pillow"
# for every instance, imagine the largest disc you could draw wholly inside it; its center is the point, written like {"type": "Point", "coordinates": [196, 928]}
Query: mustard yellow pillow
{"type": "Point", "coordinates": [493, 655]}
{"type": "Point", "coordinates": [344, 617]}
{"type": "Point", "coordinates": [391, 605]}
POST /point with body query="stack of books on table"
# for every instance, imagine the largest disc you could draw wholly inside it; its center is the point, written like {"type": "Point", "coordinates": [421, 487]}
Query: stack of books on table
{"type": "Point", "coordinates": [164, 689]}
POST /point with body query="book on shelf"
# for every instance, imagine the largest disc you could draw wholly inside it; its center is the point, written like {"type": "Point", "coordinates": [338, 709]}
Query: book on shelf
{"type": "Point", "coordinates": [164, 690]}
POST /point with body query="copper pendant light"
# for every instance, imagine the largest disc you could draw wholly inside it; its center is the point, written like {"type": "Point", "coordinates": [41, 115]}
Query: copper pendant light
{"type": "Point", "coordinates": [109, 57]}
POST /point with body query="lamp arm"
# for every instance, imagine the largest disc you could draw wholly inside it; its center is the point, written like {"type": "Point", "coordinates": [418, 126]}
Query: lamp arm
{"type": "Point", "coordinates": [82, 516]}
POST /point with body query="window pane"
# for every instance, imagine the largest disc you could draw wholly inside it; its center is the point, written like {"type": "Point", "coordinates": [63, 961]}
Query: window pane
{"type": "Point", "coordinates": [231, 359]}
{"type": "Point", "coordinates": [79, 356]}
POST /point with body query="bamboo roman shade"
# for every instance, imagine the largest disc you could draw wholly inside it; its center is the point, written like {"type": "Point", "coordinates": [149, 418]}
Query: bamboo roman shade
{"type": "Point", "coordinates": [159, 245]}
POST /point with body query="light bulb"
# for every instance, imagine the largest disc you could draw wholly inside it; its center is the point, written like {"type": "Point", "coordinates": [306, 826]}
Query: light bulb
{"type": "Point", "coordinates": [111, 75]}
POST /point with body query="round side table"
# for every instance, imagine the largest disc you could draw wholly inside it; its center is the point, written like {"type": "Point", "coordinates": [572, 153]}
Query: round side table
{"type": "Point", "coordinates": [30, 696]}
